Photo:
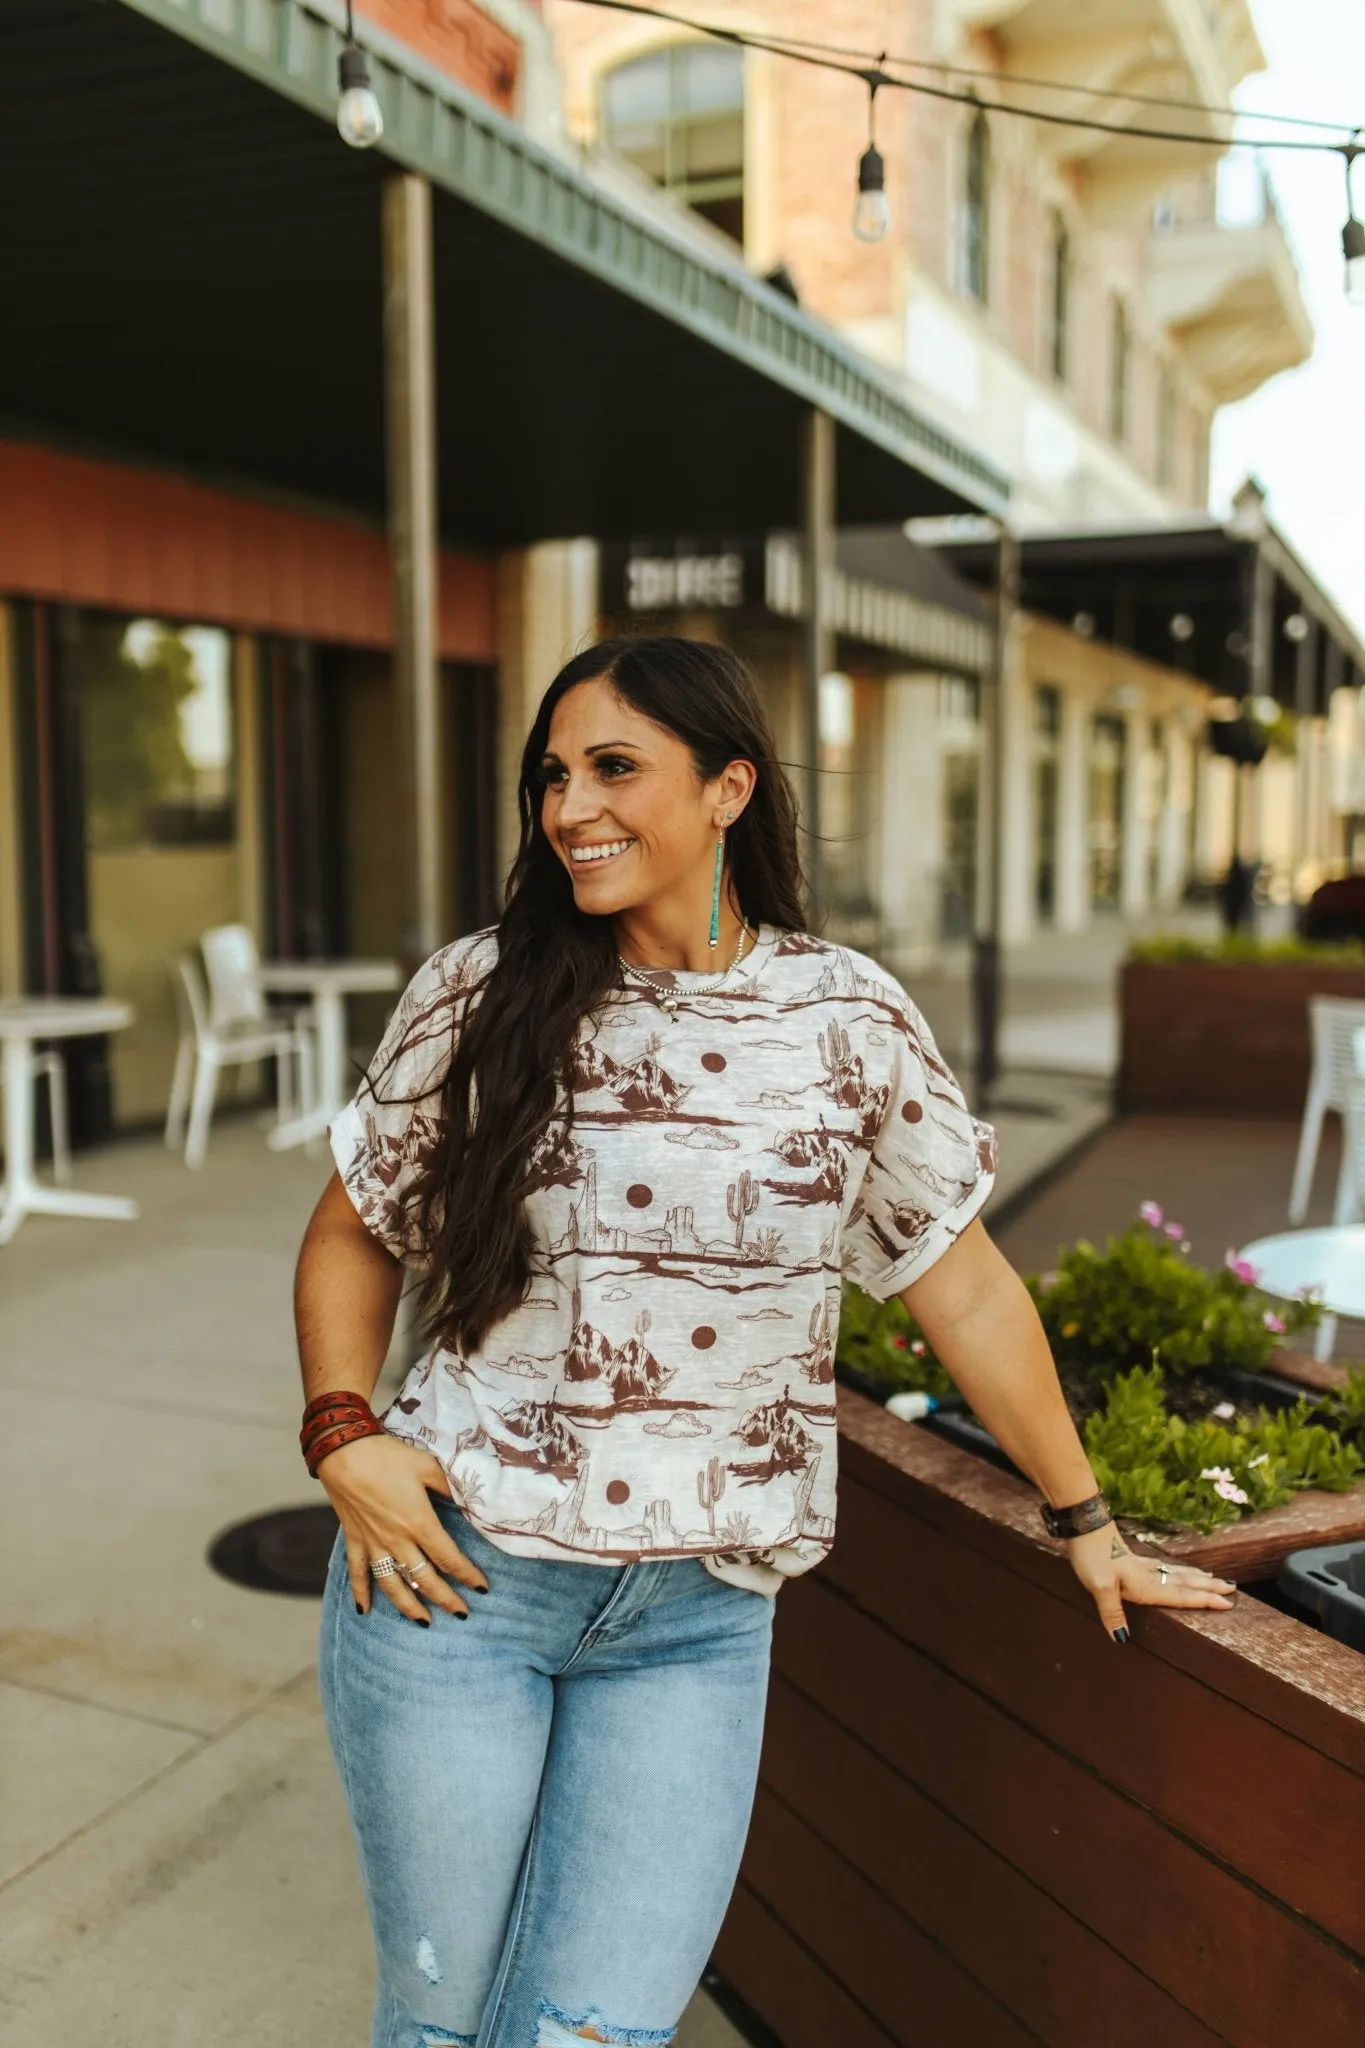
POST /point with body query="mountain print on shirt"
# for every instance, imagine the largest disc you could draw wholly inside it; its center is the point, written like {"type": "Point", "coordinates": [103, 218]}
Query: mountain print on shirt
{"type": "Point", "coordinates": [667, 1386]}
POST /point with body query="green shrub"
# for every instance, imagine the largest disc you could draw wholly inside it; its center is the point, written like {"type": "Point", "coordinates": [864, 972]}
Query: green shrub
{"type": "Point", "coordinates": [1158, 1468]}
{"type": "Point", "coordinates": [1140, 1297]}
{"type": "Point", "coordinates": [882, 1340]}
{"type": "Point", "coordinates": [1344, 1411]}
{"type": "Point", "coordinates": [1240, 949]}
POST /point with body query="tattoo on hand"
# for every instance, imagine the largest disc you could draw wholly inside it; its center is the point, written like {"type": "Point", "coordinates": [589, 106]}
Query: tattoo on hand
{"type": "Point", "coordinates": [1118, 1548]}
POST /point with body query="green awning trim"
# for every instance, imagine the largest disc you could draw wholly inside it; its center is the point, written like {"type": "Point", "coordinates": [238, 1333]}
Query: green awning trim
{"type": "Point", "coordinates": [434, 126]}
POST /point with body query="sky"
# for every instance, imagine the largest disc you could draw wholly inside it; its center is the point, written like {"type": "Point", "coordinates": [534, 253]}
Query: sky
{"type": "Point", "coordinates": [1303, 434]}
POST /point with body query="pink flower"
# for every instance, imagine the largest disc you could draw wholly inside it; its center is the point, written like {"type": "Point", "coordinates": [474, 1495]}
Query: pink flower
{"type": "Point", "coordinates": [1273, 1322]}
{"type": "Point", "coordinates": [1243, 1268]}
{"type": "Point", "coordinates": [1150, 1212]}
{"type": "Point", "coordinates": [1175, 1230]}
{"type": "Point", "coordinates": [918, 1347]}
{"type": "Point", "coordinates": [899, 1343]}
{"type": "Point", "coordinates": [1227, 1489]}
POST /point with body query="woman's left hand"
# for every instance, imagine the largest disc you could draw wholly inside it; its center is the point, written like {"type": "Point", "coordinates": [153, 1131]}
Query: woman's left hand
{"type": "Point", "coordinates": [1111, 1574]}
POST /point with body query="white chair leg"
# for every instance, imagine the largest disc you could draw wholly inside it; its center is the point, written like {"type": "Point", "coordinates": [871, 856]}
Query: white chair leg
{"type": "Point", "coordinates": [1310, 1137]}
{"type": "Point", "coordinates": [61, 1127]}
{"type": "Point", "coordinates": [284, 1082]}
{"type": "Point", "coordinates": [201, 1110]}
{"type": "Point", "coordinates": [307, 1072]}
{"type": "Point", "coordinates": [1324, 1339]}
{"type": "Point", "coordinates": [180, 1094]}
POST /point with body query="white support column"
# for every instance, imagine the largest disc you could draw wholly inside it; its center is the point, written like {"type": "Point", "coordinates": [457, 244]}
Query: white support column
{"type": "Point", "coordinates": [547, 607]}
{"type": "Point", "coordinates": [1073, 814]}
{"type": "Point", "coordinates": [410, 392]}
{"type": "Point", "coordinates": [1174, 822]}
{"type": "Point", "coordinates": [911, 822]}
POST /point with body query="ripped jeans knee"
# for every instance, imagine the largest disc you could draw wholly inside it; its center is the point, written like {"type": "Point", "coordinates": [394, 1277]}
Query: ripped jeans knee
{"type": "Point", "coordinates": [557, 2027]}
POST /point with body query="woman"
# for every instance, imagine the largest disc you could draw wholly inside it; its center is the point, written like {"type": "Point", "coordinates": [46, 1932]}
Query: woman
{"type": "Point", "coordinates": [633, 1136]}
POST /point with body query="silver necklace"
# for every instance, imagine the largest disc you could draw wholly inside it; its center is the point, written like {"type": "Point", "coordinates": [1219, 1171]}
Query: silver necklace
{"type": "Point", "coordinates": [667, 998]}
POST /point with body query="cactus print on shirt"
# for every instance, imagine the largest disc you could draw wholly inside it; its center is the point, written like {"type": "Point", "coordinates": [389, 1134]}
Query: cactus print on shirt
{"type": "Point", "coordinates": [666, 1388]}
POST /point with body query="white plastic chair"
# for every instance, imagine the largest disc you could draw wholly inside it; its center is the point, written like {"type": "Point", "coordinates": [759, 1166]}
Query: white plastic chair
{"type": "Point", "coordinates": [1334, 1021]}
{"type": "Point", "coordinates": [205, 1049]}
{"type": "Point", "coordinates": [50, 1067]}
{"type": "Point", "coordinates": [232, 966]}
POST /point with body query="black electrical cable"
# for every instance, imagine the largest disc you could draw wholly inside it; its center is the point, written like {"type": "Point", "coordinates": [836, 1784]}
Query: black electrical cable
{"type": "Point", "coordinates": [872, 75]}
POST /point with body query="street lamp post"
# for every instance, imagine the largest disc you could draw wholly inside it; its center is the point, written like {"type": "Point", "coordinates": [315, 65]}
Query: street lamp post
{"type": "Point", "coordinates": [990, 836]}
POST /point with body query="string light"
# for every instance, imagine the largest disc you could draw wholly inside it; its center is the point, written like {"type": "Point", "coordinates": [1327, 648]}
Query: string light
{"type": "Point", "coordinates": [872, 215]}
{"type": "Point", "coordinates": [360, 118]}
{"type": "Point", "coordinates": [1353, 234]}
{"type": "Point", "coordinates": [871, 211]}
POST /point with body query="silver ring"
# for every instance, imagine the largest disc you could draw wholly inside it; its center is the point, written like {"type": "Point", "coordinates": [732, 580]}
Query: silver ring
{"type": "Point", "coordinates": [383, 1567]}
{"type": "Point", "coordinates": [410, 1571]}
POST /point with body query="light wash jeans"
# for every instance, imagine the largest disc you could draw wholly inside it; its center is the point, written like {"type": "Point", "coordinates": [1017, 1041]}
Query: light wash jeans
{"type": "Point", "coordinates": [551, 1798]}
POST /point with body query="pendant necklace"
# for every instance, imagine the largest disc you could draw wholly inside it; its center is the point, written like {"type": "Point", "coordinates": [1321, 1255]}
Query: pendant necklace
{"type": "Point", "coordinates": [667, 998]}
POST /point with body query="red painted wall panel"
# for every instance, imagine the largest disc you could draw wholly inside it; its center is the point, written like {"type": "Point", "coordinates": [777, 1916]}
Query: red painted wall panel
{"type": "Point", "coordinates": [96, 533]}
{"type": "Point", "coordinates": [459, 38]}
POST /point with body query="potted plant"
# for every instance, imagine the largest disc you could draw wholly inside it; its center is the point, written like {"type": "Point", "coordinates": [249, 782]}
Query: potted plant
{"type": "Point", "coordinates": [1167, 1369]}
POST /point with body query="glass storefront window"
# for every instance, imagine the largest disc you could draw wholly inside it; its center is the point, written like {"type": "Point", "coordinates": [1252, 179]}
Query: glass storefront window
{"type": "Point", "coordinates": [1047, 730]}
{"type": "Point", "coordinates": [850, 763]}
{"type": "Point", "coordinates": [156, 722]}
{"type": "Point", "coordinates": [959, 728]}
{"type": "Point", "coordinates": [1108, 751]}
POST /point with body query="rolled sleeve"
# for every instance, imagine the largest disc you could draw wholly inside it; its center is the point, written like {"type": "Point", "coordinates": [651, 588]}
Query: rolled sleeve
{"type": "Point", "coordinates": [930, 1173]}
{"type": "Point", "coordinates": [387, 1136]}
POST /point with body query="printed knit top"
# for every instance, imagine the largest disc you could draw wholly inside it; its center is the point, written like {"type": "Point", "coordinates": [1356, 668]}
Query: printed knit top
{"type": "Point", "coordinates": [666, 1388]}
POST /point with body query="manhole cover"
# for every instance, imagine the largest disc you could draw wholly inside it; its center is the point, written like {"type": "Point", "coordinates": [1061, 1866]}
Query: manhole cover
{"type": "Point", "coordinates": [284, 1552]}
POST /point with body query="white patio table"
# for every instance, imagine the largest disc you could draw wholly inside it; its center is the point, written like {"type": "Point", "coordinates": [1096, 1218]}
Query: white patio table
{"type": "Point", "coordinates": [1331, 1262]}
{"type": "Point", "coordinates": [327, 983]}
{"type": "Point", "coordinates": [24, 1021]}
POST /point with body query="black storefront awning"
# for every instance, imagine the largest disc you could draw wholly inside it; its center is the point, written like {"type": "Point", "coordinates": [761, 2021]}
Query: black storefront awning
{"type": "Point", "coordinates": [1185, 597]}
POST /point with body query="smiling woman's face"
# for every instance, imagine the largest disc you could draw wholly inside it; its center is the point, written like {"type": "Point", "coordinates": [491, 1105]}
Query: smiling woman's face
{"type": "Point", "coordinates": [623, 808]}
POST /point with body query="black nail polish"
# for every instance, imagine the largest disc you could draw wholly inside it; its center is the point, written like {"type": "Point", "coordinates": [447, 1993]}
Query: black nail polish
{"type": "Point", "coordinates": [481, 1589]}
{"type": "Point", "coordinates": [460, 1613]}
{"type": "Point", "coordinates": [358, 1608]}
{"type": "Point", "coordinates": [1121, 1635]}
{"type": "Point", "coordinates": [421, 1621]}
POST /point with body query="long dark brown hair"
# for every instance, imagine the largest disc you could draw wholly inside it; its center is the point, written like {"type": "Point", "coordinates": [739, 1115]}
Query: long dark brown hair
{"type": "Point", "coordinates": [555, 964]}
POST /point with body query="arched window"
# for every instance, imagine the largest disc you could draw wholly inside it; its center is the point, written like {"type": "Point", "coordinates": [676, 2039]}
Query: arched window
{"type": "Point", "coordinates": [1059, 309]}
{"type": "Point", "coordinates": [976, 210]}
{"type": "Point", "coordinates": [678, 115]}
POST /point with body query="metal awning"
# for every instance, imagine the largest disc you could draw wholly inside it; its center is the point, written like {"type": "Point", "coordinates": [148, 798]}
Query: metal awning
{"type": "Point", "coordinates": [195, 259]}
{"type": "Point", "coordinates": [1130, 587]}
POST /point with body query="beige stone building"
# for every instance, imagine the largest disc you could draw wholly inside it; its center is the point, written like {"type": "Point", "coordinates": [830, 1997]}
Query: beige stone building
{"type": "Point", "coordinates": [1065, 300]}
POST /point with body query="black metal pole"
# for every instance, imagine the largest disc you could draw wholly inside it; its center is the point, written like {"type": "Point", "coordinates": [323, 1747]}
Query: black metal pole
{"type": "Point", "coordinates": [986, 978]}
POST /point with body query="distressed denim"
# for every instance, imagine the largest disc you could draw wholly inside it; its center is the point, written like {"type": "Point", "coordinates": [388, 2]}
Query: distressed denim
{"type": "Point", "coordinates": [550, 1799]}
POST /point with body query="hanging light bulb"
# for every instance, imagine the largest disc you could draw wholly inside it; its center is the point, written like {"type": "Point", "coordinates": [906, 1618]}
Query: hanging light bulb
{"type": "Point", "coordinates": [360, 118]}
{"type": "Point", "coordinates": [871, 212]}
{"type": "Point", "coordinates": [1353, 234]}
{"type": "Point", "coordinates": [1353, 249]}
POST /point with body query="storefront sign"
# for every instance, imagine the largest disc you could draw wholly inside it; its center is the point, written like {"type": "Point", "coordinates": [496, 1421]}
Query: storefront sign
{"type": "Point", "coordinates": [679, 575]}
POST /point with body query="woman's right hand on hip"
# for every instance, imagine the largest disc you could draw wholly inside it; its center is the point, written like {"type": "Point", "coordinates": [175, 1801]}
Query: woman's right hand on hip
{"type": "Point", "coordinates": [378, 1486]}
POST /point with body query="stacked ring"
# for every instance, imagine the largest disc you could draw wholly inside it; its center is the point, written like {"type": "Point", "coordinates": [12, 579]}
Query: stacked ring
{"type": "Point", "coordinates": [384, 1567]}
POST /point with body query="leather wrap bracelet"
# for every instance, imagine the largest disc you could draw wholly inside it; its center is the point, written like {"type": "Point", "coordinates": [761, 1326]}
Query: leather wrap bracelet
{"type": "Point", "coordinates": [1079, 1520]}
{"type": "Point", "coordinates": [332, 1420]}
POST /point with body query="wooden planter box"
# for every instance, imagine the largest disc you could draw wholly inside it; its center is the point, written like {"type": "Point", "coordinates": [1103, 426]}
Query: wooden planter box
{"type": "Point", "coordinates": [980, 1824]}
{"type": "Point", "coordinates": [1201, 1038]}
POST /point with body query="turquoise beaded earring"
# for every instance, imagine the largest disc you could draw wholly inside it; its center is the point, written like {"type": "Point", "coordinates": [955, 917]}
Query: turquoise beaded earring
{"type": "Point", "coordinates": [715, 887]}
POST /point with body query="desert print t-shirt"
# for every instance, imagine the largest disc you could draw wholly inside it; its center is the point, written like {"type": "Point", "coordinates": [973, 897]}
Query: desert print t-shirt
{"type": "Point", "coordinates": [666, 1388]}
